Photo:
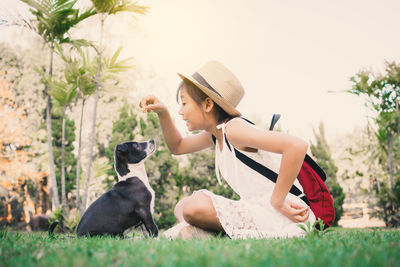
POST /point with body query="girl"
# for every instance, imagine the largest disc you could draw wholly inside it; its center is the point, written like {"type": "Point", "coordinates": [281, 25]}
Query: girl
{"type": "Point", "coordinates": [208, 104]}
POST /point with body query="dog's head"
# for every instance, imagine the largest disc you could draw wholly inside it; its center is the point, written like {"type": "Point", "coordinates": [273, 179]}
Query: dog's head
{"type": "Point", "coordinates": [131, 153]}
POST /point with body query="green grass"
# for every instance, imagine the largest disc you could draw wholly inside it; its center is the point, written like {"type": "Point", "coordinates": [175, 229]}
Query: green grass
{"type": "Point", "coordinates": [339, 247]}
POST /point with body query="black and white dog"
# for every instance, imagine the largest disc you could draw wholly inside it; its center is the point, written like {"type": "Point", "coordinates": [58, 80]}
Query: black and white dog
{"type": "Point", "coordinates": [130, 202]}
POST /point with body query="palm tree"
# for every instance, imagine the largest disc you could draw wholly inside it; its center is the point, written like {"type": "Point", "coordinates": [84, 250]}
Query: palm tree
{"type": "Point", "coordinates": [54, 18]}
{"type": "Point", "coordinates": [79, 72]}
{"type": "Point", "coordinates": [63, 93]}
{"type": "Point", "coordinates": [110, 66]}
{"type": "Point", "coordinates": [86, 84]}
{"type": "Point", "coordinates": [104, 8]}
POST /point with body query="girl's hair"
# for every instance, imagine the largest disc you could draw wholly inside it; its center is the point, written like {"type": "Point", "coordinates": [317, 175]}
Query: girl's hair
{"type": "Point", "coordinates": [199, 96]}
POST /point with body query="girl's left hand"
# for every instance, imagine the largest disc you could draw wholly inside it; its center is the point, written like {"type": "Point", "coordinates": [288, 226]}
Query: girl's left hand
{"type": "Point", "coordinates": [293, 211]}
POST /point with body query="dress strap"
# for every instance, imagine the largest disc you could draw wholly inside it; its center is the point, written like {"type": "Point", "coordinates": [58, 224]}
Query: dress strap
{"type": "Point", "coordinates": [222, 127]}
{"type": "Point", "coordinates": [217, 165]}
{"type": "Point", "coordinates": [217, 171]}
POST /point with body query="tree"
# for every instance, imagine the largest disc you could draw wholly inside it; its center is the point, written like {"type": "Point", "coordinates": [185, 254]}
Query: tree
{"type": "Point", "coordinates": [104, 8]}
{"type": "Point", "coordinates": [79, 72]}
{"type": "Point", "coordinates": [321, 152]}
{"type": "Point", "coordinates": [382, 94]}
{"type": "Point", "coordinates": [13, 133]}
{"type": "Point", "coordinates": [63, 93]}
{"type": "Point", "coordinates": [54, 18]}
{"type": "Point", "coordinates": [110, 67]}
{"type": "Point", "coordinates": [17, 174]}
{"type": "Point", "coordinates": [69, 157]}
{"type": "Point", "coordinates": [82, 75]}
{"type": "Point", "coordinates": [65, 148]}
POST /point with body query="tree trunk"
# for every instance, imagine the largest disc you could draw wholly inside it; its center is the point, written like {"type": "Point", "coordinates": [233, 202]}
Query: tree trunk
{"type": "Point", "coordinates": [398, 131]}
{"type": "Point", "coordinates": [55, 201]}
{"type": "Point", "coordinates": [371, 148]}
{"type": "Point", "coordinates": [63, 199]}
{"type": "Point", "coordinates": [78, 160]}
{"type": "Point", "coordinates": [93, 132]}
{"type": "Point", "coordinates": [390, 158]}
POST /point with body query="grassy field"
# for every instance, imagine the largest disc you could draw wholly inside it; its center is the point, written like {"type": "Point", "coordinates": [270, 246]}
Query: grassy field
{"type": "Point", "coordinates": [339, 247]}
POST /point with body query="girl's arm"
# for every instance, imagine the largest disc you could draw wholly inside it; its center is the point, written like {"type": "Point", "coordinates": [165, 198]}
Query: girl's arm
{"type": "Point", "coordinates": [175, 142]}
{"type": "Point", "coordinates": [242, 134]}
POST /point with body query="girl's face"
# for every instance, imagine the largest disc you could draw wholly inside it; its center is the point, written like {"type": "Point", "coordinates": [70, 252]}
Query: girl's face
{"type": "Point", "coordinates": [191, 112]}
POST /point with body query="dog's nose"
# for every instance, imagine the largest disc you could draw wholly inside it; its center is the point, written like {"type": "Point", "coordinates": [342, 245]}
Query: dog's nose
{"type": "Point", "coordinates": [151, 144]}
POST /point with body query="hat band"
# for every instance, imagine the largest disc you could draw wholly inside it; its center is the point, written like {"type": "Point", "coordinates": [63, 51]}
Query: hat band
{"type": "Point", "coordinates": [203, 82]}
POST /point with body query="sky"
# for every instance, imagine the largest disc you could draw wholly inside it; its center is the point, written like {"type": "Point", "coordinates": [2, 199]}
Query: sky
{"type": "Point", "coordinates": [292, 57]}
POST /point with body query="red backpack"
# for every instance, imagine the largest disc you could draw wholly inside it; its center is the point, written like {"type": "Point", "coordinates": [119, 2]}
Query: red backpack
{"type": "Point", "coordinates": [311, 177]}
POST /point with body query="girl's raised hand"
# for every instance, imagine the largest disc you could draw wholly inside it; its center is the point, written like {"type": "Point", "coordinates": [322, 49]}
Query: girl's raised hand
{"type": "Point", "coordinates": [294, 211]}
{"type": "Point", "coordinates": [151, 103]}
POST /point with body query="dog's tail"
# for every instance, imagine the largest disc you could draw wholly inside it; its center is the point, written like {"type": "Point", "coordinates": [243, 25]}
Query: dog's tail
{"type": "Point", "coordinates": [52, 227]}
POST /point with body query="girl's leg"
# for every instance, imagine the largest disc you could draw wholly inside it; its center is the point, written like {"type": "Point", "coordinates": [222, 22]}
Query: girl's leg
{"type": "Point", "coordinates": [178, 211]}
{"type": "Point", "coordinates": [198, 210]}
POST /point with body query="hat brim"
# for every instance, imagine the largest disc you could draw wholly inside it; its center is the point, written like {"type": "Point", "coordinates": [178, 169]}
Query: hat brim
{"type": "Point", "coordinates": [228, 108]}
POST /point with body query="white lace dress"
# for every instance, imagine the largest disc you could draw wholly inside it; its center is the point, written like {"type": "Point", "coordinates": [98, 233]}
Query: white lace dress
{"type": "Point", "coordinates": [252, 216]}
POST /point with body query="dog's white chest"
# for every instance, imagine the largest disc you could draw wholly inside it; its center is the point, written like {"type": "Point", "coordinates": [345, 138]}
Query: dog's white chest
{"type": "Point", "coordinates": [139, 171]}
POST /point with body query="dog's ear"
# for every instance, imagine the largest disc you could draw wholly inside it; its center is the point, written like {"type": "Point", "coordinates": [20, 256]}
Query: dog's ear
{"type": "Point", "coordinates": [121, 166]}
{"type": "Point", "coordinates": [122, 147]}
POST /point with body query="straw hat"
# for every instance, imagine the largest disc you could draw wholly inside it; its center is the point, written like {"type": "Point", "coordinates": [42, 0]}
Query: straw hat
{"type": "Point", "coordinates": [220, 84]}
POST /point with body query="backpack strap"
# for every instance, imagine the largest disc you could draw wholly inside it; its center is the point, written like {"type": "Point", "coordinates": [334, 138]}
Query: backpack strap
{"type": "Point", "coordinates": [274, 120]}
{"type": "Point", "coordinates": [307, 159]}
{"type": "Point", "coordinates": [266, 172]}
{"type": "Point", "coordinates": [315, 167]}
{"type": "Point", "coordinates": [261, 169]}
